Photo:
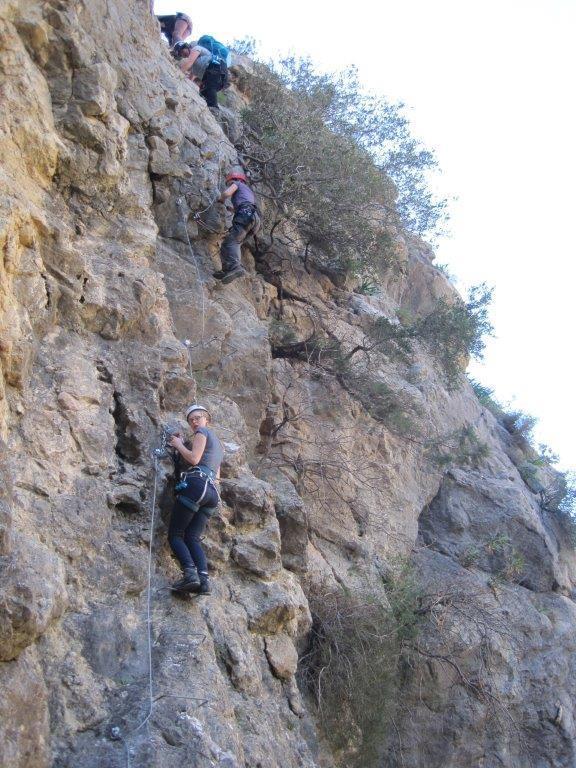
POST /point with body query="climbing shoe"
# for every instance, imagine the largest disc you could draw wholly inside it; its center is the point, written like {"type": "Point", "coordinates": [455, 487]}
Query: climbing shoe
{"type": "Point", "coordinates": [233, 274]}
{"type": "Point", "coordinates": [203, 588]}
{"type": "Point", "coordinates": [219, 274]}
{"type": "Point", "coordinates": [189, 581]}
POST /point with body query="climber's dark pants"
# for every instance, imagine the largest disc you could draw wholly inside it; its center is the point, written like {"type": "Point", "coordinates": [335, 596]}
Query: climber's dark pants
{"type": "Point", "coordinates": [244, 224]}
{"type": "Point", "coordinates": [212, 82]}
{"type": "Point", "coordinates": [186, 527]}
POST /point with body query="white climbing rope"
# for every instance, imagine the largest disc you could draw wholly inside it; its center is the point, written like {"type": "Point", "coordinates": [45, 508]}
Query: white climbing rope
{"type": "Point", "coordinates": [149, 600]}
{"type": "Point", "coordinates": [115, 732]}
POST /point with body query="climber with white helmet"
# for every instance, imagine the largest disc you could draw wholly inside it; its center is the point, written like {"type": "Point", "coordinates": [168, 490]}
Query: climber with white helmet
{"type": "Point", "coordinates": [246, 222]}
{"type": "Point", "coordinates": [197, 469]}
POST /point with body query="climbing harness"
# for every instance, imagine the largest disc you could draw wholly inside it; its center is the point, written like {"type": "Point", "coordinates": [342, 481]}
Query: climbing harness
{"type": "Point", "coordinates": [209, 477]}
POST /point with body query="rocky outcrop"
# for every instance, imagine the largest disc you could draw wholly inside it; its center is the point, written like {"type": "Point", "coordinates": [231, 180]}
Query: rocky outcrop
{"type": "Point", "coordinates": [110, 323]}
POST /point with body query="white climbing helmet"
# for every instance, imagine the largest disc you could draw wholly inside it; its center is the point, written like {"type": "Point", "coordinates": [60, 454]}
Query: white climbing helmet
{"type": "Point", "coordinates": [196, 407]}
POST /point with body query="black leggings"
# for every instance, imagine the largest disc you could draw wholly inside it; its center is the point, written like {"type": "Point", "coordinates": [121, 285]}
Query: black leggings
{"type": "Point", "coordinates": [187, 526]}
{"type": "Point", "coordinates": [212, 82]}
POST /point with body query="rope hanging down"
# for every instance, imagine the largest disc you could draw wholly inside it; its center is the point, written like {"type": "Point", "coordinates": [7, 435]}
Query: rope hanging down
{"type": "Point", "coordinates": [115, 732]}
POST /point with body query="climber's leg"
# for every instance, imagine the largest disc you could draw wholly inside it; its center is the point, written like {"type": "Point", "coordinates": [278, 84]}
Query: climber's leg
{"type": "Point", "coordinates": [192, 535]}
{"type": "Point", "coordinates": [179, 521]}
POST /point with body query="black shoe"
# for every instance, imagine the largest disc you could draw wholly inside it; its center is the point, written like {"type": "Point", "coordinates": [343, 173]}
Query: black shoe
{"type": "Point", "coordinates": [219, 274]}
{"type": "Point", "coordinates": [188, 583]}
{"type": "Point", "coordinates": [203, 587]}
{"type": "Point", "coordinates": [234, 274]}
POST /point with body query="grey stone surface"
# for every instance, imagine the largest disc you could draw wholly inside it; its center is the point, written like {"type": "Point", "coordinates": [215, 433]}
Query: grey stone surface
{"type": "Point", "coordinates": [110, 322]}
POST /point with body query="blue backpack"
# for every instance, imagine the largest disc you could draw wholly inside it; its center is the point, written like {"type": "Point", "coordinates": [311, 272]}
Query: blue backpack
{"type": "Point", "coordinates": [220, 54]}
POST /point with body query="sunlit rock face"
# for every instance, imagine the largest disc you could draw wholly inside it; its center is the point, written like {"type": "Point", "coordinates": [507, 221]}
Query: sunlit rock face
{"type": "Point", "coordinates": [106, 154]}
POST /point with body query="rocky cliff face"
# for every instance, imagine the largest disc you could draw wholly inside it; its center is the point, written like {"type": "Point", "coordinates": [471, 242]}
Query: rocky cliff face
{"type": "Point", "coordinates": [106, 155]}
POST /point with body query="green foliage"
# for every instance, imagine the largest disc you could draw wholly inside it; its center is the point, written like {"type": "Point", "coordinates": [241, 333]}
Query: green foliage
{"type": "Point", "coordinates": [470, 557]}
{"type": "Point", "coordinates": [529, 473]}
{"type": "Point", "coordinates": [567, 488]}
{"type": "Point", "coordinates": [281, 333]}
{"type": "Point", "coordinates": [514, 564]}
{"type": "Point", "coordinates": [560, 499]}
{"type": "Point", "coordinates": [519, 424]}
{"type": "Point", "coordinates": [380, 400]}
{"type": "Point", "coordinates": [486, 398]}
{"type": "Point", "coordinates": [507, 562]}
{"type": "Point", "coordinates": [498, 543]}
{"type": "Point", "coordinates": [352, 664]}
{"type": "Point", "coordinates": [516, 422]}
{"type": "Point", "coordinates": [444, 269]}
{"type": "Point", "coordinates": [323, 153]}
{"type": "Point", "coordinates": [246, 46]}
{"type": "Point", "coordinates": [368, 286]}
{"type": "Point", "coordinates": [546, 456]}
{"type": "Point", "coordinates": [456, 331]}
{"type": "Point", "coordinates": [462, 447]}
{"type": "Point", "coordinates": [392, 339]}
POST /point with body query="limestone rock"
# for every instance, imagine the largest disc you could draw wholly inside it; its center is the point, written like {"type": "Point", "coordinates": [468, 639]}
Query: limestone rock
{"type": "Point", "coordinates": [282, 656]}
{"type": "Point", "coordinates": [24, 718]}
{"type": "Point", "coordinates": [250, 498]}
{"type": "Point", "coordinates": [259, 552]}
{"type": "Point", "coordinates": [110, 323]}
{"type": "Point", "coordinates": [32, 594]}
{"type": "Point", "coordinates": [277, 606]}
{"type": "Point", "coordinates": [5, 529]}
{"type": "Point", "coordinates": [93, 87]}
{"type": "Point", "coordinates": [293, 521]}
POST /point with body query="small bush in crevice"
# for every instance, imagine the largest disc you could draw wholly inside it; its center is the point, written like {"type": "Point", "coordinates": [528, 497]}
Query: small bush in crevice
{"type": "Point", "coordinates": [281, 333]}
{"type": "Point", "coordinates": [381, 402]}
{"type": "Point", "coordinates": [456, 331]}
{"type": "Point", "coordinates": [368, 286]}
{"type": "Point", "coordinates": [559, 499]}
{"type": "Point", "coordinates": [352, 665]}
{"type": "Point", "coordinates": [462, 447]}
{"type": "Point", "coordinates": [506, 562]}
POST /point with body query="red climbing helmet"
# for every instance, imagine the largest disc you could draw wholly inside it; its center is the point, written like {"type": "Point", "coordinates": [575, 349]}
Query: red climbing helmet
{"type": "Point", "coordinates": [236, 177]}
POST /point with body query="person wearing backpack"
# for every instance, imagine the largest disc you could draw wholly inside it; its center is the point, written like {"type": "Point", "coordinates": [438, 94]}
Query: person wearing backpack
{"type": "Point", "coordinates": [206, 63]}
{"type": "Point", "coordinates": [246, 222]}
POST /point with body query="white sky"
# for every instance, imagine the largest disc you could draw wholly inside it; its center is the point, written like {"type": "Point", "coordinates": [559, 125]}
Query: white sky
{"type": "Point", "coordinates": [490, 87]}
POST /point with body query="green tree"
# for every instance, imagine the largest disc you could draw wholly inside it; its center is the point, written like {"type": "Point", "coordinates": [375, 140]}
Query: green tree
{"type": "Point", "coordinates": [335, 165]}
{"type": "Point", "coordinates": [455, 331]}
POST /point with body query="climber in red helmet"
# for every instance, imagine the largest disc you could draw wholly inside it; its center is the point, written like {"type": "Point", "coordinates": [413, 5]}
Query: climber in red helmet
{"type": "Point", "coordinates": [246, 222]}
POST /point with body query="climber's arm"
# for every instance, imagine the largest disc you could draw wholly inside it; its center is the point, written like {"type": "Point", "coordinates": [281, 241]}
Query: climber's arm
{"type": "Point", "coordinates": [191, 455]}
{"type": "Point", "coordinates": [228, 192]}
